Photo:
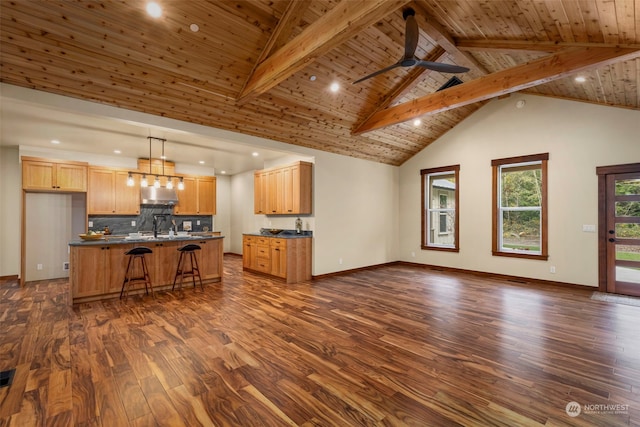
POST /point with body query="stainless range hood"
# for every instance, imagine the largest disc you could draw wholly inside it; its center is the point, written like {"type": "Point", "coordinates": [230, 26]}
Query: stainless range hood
{"type": "Point", "coordinates": [158, 196]}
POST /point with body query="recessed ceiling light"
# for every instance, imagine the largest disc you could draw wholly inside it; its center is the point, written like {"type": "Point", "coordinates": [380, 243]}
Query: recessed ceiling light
{"type": "Point", "coordinates": [334, 87]}
{"type": "Point", "coordinates": [194, 27]}
{"type": "Point", "coordinates": [417, 122]}
{"type": "Point", "coordinates": [580, 79]}
{"type": "Point", "coordinates": [117, 151]}
{"type": "Point", "coordinates": [201, 162]}
{"type": "Point", "coordinates": [55, 141]}
{"type": "Point", "coordinates": [255, 154]}
{"type": "Point", "coordinates": [312, 78]}
{"type": "Point", "coordinates": [223, 172]}
{"type": "Point", "coordinates": [154, 10]}
{"type": "Point", "coordinates": [163, 157]}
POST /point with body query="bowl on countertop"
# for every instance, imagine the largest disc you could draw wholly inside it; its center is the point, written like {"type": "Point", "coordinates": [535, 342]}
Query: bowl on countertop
{"type": "Point", "coordinates": [183, 233]}
{"type": "Point", "coordinates": [96, 236]}
{"type": "Point", "coordinates": [275, 231]}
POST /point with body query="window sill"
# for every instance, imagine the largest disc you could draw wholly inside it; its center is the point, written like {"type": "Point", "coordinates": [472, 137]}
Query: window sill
{"type": "Point", "coordinates": [540, 257]}
{"type": "Point", "coordinates": [439, 248]}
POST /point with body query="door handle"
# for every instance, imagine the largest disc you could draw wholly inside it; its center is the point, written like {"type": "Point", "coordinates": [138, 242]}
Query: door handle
{"type": "Point", "coordinates": [612, 240]}
{"type": "Point", "coordinates": [611, 231]}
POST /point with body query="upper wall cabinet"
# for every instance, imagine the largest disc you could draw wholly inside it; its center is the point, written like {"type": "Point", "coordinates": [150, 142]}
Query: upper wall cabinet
{"type": "Point", "coordinates": [198, 196]}
{"type": "Point", "coordinates": [50, 175]}
{"type": "Point", "coordinates": [284, 190]}
{"type": "Point", "coordinates": [109, 194]}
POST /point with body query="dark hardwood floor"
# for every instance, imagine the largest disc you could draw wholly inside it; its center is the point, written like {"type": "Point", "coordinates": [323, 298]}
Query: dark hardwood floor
{"type": "Point", "coordinates": [396, 345]}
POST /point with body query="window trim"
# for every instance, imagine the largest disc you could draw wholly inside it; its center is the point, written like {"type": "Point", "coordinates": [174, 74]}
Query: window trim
{"type": "Point", "coordinates": [495, 240]}
{"type": "Point", "coordinates": [424, 207]}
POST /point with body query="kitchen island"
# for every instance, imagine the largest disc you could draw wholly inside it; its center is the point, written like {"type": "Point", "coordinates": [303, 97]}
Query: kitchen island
{"type": "Point", "coordinates": [97, 267]}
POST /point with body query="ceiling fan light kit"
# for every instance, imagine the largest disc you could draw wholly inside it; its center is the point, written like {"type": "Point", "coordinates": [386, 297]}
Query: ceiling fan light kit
{"type": "Point", "coordinates": [409, 59]}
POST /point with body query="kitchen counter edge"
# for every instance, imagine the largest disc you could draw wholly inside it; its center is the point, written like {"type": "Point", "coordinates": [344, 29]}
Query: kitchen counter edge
{"type": "Point", "coordinates": [125, 241]}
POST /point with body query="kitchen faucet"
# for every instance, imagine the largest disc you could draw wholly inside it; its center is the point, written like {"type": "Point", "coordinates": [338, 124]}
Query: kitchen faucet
{"type": "Point", "coordinates": [155, 223]}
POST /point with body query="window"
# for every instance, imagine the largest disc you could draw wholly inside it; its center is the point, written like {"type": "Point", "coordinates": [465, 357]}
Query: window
{"type": "Point", "coordinates": [440, 193]}
{"type": "Point", "coordinates": [520, 206]}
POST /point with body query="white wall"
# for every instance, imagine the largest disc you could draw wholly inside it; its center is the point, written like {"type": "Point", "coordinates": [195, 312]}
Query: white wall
{"type": "Point", "coordinates": [10, 208]}
{"type": "Point", "coordinates": [222, 218]}
{"type": "Point", "coordinates": [577, 136]}
{"type": "Point", "coordinates": [355, 212]}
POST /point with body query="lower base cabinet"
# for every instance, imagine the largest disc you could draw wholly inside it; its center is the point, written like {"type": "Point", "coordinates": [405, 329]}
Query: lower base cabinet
{"type": "Point", "coordinates": [286, 258]}
{"type": "Point", "coordinates": [97, 271]}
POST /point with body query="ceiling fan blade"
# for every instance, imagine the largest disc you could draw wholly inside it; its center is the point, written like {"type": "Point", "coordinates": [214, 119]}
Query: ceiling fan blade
{"type": "Point", "coordinates": [384, 70]}
{"type": "Point", "coordinates": [443, 68]}
{"type": "Point", "coordinates": [411, 35]}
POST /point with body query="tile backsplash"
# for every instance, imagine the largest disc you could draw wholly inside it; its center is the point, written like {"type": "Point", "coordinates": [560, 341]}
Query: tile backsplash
{"type": "Point", "coordinates": [121, 224]}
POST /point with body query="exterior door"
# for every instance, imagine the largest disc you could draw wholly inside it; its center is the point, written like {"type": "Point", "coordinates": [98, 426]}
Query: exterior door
{"type": "Point", "coordinates": [622, 231]}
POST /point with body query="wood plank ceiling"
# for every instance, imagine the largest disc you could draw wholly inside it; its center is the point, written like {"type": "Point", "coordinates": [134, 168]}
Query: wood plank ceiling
{"type": "Point", "coordinates": [249, 67]}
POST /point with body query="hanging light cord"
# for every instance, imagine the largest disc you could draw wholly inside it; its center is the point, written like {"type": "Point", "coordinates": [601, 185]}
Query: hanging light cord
{"type": "Point", "coordinates": [130, 181]}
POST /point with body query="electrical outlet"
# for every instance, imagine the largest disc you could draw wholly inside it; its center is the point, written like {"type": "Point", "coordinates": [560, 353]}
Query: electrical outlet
{"type": "Point", "coordinates": [552, 269]}
{"type": "Point", "coordinates": [413, 254]}
{"type": "Point", "coordinates": [340, 261]}
{"type": "Point", "coordinates": [133, 223]}
{"type": "Point", "coordinates": [65, 266]}
{"type": "Point", "coordinates": [90, 223]}
{"type": "Point", "coordinates": [39, 266]}
{"type": "Point", "coordinates": [197, 222]}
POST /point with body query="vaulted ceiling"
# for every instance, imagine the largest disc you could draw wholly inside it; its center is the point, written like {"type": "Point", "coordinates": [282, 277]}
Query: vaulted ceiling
{"type": "Point", "coordinates": [264, 67]}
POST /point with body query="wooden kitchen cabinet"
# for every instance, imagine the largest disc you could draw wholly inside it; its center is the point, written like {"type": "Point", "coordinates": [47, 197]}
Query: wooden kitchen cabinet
{"type": "Point", "coordinates": [97, 269]}
{"type": "Point", "coordinates": [287, 258]}
{"type": "Point", "coordinates": [198, 196]}
{"type": "Point", "coordinates": [109, 194]}
{"type": "Point", "coordinates": [51, 175]}
{"type": "Point", "coordinates": [162, 263]}
{"type": "Point", "coordinates": [260, 192]}
{"type": "Point", "coordinates": [210, 258]}
{"type": "Point", "coordinates": [285, 190]}
{"type": "Point", "coordinates": [278, 257]}
{"type": "Point", "coordinates": [249, 247]}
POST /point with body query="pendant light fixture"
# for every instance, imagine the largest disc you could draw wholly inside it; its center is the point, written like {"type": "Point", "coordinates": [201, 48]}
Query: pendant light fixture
{"type": "Point", "coordinates": [156, 182]}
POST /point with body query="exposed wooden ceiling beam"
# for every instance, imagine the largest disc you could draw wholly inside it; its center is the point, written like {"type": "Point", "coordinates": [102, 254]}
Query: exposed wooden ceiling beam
{"type": "Point", "coordinates": [286, 25]}
{"type": "Point", "coordinates": [468, 45]}
{"type": "Point", "coordinates": [438, 34]}
{"type": "Point", "coordinates": [407, 84]}
{"type": "Point", "coordinates": [344, 21]}
{"type": "Point", "coordinates": [532, 73]}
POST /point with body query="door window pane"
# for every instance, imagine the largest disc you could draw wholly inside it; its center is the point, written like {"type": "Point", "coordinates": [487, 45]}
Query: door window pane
{"type": "Point", "coordinates": [627, 187]}
{"type": "Point", "coordinates": [628, 209]}
{"type": "Point", "coordinates": [629, 257]}
{"type": "Point", "coordinates": [627, 231]}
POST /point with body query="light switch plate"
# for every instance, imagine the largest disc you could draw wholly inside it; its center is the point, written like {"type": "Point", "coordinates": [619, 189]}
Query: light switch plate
{"type": "Point", "coordinates": [589, 228]}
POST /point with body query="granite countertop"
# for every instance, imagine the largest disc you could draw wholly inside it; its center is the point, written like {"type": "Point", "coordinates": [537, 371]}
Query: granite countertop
{"type": "Point", "coordinates": [121, 239]}
{"type": "Point", "coordinates": [284, 234]}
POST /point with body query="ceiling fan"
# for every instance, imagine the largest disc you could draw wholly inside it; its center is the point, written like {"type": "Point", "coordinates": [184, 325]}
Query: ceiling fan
{"type": "Point", "coordinates": [409, 59]}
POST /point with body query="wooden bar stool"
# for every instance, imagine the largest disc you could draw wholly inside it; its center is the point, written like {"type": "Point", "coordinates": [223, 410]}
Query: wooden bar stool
{"type": "Point", "coordinates": [137, 254]}
{"type": "Point", "coordinates": [188, 251]}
